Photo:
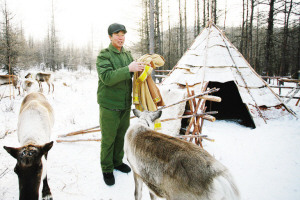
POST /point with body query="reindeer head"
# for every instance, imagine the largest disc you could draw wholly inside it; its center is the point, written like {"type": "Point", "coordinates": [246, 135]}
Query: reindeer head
{"type": "Point", "coordinates": [147, 117]}
{"type": "Point", "coordinates": [29, 167]}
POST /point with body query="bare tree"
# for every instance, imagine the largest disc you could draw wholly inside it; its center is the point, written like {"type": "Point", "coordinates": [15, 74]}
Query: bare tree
{"type": "Point", "coordinates": [269, 47]}
{"type": "Point", "coordinates": [10, 45]}
{"type": "Point", "coordinates": [243, 29]}
{"type": "Point", "coordinates": [53, 44]}
{"type": "Point", "coordinates": [204, 14]}
{"type": "Point", "coordinates": [284, 64]}
{"type": "Point", "coordinates": [185, 27]}
{"type": "Point", "coordinates": [157, 28]}
{"type": "Point", "coordinates": [151, 35]}
{"type": "Point", "coordinates": [225, 15]}
{"type": "Point", "coordinates": [214, 11]}
{"type": "Point", "coordinates": [250, 36]}
{"type": "Point", "coordinates": [180, 29]}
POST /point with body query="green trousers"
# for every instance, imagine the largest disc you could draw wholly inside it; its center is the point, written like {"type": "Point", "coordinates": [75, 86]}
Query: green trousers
{"type": "Point", "coordinates": [114, 125]}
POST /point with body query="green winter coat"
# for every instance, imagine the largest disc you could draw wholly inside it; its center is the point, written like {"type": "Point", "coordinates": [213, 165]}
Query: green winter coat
{"type": "Point", "coordinates": [114, 84]}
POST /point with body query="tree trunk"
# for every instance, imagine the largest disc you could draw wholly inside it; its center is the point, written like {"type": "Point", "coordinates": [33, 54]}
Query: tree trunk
{"type": "Point", "coordinates": [269, 40]}
{"type": "Point", "coordinates": [284, 63]}
{"type": "Point", "coordinates": [157, 32]}
{"type": "Point", "coordinates": [162, 29]}
{"type": "Point", "coordinates": [257, 53]}
{"type": "Point", "coordinates": [180, 29]}
{"type": "Point", "coordinates": [170, 36]}
{"type": "Point", "coordinates": [204, 14]}
{"type": "Point", "coordinates": [151, 35]}
{"type": "Point", "coordinates": [185, 27]}
{"type": "Point", "coordinates": [225, 14]}
{"type": "Point", "coordinates": [146, 48]}
{"type": "Point", "coordinates": [250, 57]}
{"type": "Point", "coordinates": [208, 12]}
{"type": "Point", "coordinates": [246, 32]}
{"type": "Point", "coordinates": [243, 28]}
{"type": "Point", "coordinates": [215, 11]}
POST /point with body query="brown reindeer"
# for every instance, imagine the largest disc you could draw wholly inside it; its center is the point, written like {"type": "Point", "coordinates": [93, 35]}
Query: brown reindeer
{"type": "Point", "coordinates": [34, 129]}
{"type": "Point", "coordinates": [173, 168]}
{"type": "Point", "coordinates": [42, 77]}
{"type": "Point", "coordinates": [10, 79]}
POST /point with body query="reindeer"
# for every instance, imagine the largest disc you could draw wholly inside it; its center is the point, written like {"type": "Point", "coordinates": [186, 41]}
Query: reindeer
{"type": "Point", "coordinates": [34, 129]}
{"type": "Point", "coordinates": [42, 77]}
{"type": "Point", "coordinates": [173, 168]}
{"type": "Point", "coordinates": [27, 85]}
{"type": "Point", "coordinates": [10, 79]}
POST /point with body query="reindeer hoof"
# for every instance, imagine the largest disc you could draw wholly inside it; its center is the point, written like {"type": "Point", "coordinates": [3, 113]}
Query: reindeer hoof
{"type": "Point", "coordinates": [47, 197]}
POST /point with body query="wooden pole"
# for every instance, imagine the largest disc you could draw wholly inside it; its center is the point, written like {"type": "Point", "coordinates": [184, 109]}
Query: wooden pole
{"type": "Point", "coordinates": [79, 140]}
{"type": "Point", "coordinates": [189, 98]}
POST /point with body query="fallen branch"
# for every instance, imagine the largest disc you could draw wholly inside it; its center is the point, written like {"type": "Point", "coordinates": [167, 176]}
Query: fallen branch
{"type": "Point", "coordinates": [7, 133]}
{"type": "Point", "coordinates": [79, 140]}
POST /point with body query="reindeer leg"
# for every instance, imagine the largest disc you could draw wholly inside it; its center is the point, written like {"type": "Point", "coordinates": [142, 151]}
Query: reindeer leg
{"type": "Point", "coordinates": [48, 87]}
{"type": "Point", "coordinates": [41, 86]}
{"type": "Point", "coordinates": [138, 187]}
{"type": "Point", "coordinates": [52, 87]}
{"type": "Point", "coordinates": [46, 193]}
{"type": "Point", "coordinates": [152, 196]}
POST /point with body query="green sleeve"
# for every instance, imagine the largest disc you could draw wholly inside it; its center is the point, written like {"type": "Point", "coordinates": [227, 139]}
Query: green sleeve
{"type": "Point", "coordinates": [107, 74]}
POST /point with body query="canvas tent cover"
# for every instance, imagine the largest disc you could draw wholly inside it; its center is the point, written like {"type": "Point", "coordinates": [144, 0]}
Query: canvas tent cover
{"type": "Point", "coordinates": [213, 58]}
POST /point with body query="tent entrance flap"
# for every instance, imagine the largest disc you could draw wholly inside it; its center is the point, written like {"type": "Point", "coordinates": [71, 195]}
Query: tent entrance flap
{"type": "Point", "coordinates": [231, 107]}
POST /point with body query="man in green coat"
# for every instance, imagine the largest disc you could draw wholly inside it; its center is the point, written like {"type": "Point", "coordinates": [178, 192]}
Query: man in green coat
{"type": "Point", "coordinates": [115, 68]}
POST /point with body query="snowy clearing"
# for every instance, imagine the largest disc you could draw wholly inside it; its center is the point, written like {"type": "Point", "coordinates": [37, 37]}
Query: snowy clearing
{"type": "Point", "coordinates": [265, 161]}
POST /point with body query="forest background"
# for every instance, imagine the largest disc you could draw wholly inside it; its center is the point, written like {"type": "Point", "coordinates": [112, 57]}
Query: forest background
{"type": "Point", "coordinates": [266, 32]}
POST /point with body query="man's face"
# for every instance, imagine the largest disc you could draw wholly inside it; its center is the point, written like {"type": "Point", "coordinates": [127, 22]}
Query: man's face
{"type": "Point", "coordinates": [118, 39]}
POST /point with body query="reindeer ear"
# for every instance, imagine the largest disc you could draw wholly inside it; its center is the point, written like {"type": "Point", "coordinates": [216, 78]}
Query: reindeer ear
{"type": "Point", "coordinates": [136, 112]}
{"type": "Point", "coordinates": [155, 115]}
{"type": "Point", "coordinates": [12, 151]}
{"type": "Point", "coordinates": [47, 147]}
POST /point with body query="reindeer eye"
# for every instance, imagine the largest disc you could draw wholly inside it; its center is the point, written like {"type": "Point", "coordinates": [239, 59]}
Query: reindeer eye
{"type": "Point", "coordinates": [31, 153]}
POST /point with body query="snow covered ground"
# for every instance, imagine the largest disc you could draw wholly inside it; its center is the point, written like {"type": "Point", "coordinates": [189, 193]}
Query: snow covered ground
{"type": "Point", "coordinates": [265, 161]}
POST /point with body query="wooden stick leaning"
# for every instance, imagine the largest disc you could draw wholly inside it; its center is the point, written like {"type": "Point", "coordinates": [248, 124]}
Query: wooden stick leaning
{"type": "Point", "coordinates": [192, 97]}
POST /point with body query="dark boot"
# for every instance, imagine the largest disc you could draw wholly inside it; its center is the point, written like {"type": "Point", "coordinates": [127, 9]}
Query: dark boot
{"type": "Point", "coordinates": [123, 168]}
{"type": "Point", "coordinates": [109, 178]}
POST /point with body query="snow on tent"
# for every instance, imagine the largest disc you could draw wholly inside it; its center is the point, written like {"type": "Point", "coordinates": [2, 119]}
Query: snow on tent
{"type": "Point", "coordinates": [212, 61]}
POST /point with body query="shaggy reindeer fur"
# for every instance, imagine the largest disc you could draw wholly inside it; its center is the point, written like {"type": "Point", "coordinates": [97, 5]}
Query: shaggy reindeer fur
{"type": "Point", "coordinates": [173, 168]}
{"type": "Point", "coordinates": [34, 129]}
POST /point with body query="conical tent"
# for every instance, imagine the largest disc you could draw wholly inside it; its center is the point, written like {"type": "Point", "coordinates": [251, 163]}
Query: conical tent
{"type": "Point", "coordinates": [214, 60]}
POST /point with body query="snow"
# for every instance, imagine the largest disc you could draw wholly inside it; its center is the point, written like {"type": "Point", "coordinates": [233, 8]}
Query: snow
{"type": "Point", "coordinates": [265, 161]}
